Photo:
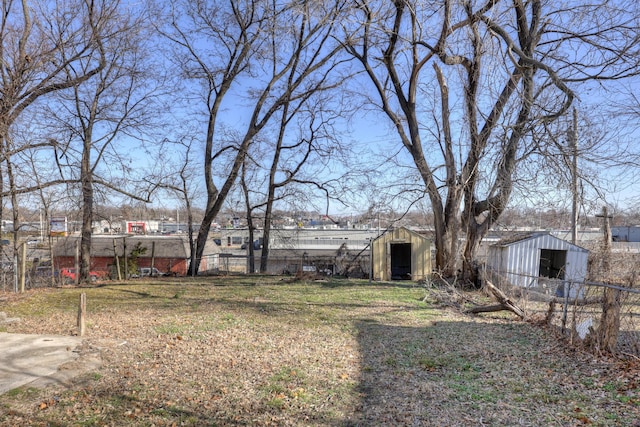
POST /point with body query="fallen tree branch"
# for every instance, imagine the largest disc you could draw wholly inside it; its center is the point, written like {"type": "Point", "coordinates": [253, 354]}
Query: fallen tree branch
{"type": "Point", "coordinates": [486, 308]}
{"type": "Point", "coordinates": [505, 302]}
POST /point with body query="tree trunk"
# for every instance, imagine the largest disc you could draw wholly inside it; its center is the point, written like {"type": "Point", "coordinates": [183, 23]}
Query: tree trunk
{"type": "Point", "coordinates": [271, 191]}
{"type": "Point", "coordinates": [15, 209]}
{"type": "Point", "coordinates": [268, 216]}
{"type": "Point", "coordinates": [87, 212]}
{"type": "Point", "coordinates": [469, 268]}
{"type": "Point", "coordinates": [266, 236]}
{"type": "Point", "coordinates": [250, 250]}
{"type": "Point", "coordinates": [610, 320]}
{"type": "Point", "coordinates": [189, 219]}
{"type": "Point", "coordinates": [446, 245]}
{"type": "Point", "coordinates": [215, 199]}
{"type": "Point", "coordinates": [85, 241]}
{"type": "Point", "coordinates": [201, 239]}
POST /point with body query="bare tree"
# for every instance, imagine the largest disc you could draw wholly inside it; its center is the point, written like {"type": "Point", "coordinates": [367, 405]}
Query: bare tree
{"type": "Point", "coordinates": [178, 176]}
{"type": "Point", "coordinates": [39, 42]}
{"type": "Point", "coordinates": [301, 163]}
{"type": "Point", "coordinates": [500, 72]}
{"type": "Point", "coordinates": [605, 157]}
{"type": "Point", "coordinates": [226, 42]}
{"type": "Point", "coordinates": [233, 31]}
{"type": "Point", "coordinates": [247, 176]}
{"type": "Point", "coordinates": [94, 117]}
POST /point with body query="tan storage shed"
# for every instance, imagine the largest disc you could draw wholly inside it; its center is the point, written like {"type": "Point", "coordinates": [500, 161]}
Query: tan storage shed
{"type": "Point", "coordinates": [401, 254]}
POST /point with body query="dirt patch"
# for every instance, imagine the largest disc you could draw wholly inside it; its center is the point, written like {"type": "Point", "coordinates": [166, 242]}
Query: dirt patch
{"type": "Point", "coordinates": [88, 360]}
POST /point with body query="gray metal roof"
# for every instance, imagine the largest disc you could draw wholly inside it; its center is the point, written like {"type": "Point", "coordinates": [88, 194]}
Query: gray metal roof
{"type": "Point", "coordinates": [521, 237]}
{"type": "Point", "coordinates": [103, 246]}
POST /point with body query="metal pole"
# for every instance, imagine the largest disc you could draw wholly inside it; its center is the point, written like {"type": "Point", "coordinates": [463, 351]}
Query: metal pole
{"type": "Point", "coordinates": [15, 272]}
{"type": "Point", "coordinates": [23, 265]}
{"type": "Point", "coordinates": [567, 291]}
{"type": "Point", "coordinates": [574, 178]}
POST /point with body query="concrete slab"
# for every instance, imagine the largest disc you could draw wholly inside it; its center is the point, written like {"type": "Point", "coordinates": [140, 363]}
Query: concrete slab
{"type": "Point", "coordinates": [27, 358]}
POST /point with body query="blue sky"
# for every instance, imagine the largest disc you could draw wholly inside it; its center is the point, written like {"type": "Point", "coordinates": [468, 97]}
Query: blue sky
{"type": "Point", "coordinates": [374, 137]}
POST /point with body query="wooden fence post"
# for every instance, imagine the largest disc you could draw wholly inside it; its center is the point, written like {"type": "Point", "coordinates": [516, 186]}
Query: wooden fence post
{"type": "Point", "coordinates": [76, 263]}
{"type": "Point", "coordinates": [23, 265]}
{"type": "Point", "coordinates": [153, 257]}
{"type": "Point", "coordinates": [82, 311]}
{"type": "Point", "coordinates": [115, 254]}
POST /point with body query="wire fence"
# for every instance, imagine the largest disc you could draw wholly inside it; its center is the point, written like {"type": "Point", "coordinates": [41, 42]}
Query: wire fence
{"type": "Point", "coordinates": [33, 279]}
{"type": "Point", "coordinates": [585, 313]}
{"type": "Point", "coordinates": [347, 265]}
{"type": "Point", "coordinates": [607, 301]}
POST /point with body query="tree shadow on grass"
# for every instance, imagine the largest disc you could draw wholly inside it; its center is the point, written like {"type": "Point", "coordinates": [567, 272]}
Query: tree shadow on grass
{"type": "Point", "coordinates": [125, 409]}
{"type": "Point", "coordinates": [467, 373]}
{"type": "Point", "coordinates": [346, 283]}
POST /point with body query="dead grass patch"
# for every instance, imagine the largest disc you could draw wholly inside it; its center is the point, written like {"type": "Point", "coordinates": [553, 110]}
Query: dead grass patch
{"type": "Point", "coordinates": [261, 351]}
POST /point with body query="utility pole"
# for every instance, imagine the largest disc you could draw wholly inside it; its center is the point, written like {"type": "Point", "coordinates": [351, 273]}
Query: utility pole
{"type": "Point", "coordinates": [606, 244]}
{"type": "Point", "coordinates": [574, 178]}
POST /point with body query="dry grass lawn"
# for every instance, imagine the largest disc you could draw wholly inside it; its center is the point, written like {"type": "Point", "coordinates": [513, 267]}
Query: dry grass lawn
{"type": "Point", "coordinates": [263, 351]}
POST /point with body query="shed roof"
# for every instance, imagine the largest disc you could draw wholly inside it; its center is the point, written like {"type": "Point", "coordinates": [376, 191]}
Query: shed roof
{"type": "Point", "coordinates": [103, 246]}
{"type": "Point", "coordinates": [521, 237]}
{"type": "Point", "coordinates": [396, 232]}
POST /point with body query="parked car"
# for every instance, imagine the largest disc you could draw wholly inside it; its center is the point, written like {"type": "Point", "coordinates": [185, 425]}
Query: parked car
{"type": "Point", "coordinates": [69, 275]}
{"type": "Point", "coordinates": [45, 272]}
{"type": "Point", "coordinates": [147, 271]}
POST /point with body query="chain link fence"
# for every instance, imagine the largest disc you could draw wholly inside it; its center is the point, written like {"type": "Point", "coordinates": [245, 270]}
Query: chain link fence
{"type": "Point", "coordinates": [601, 316]}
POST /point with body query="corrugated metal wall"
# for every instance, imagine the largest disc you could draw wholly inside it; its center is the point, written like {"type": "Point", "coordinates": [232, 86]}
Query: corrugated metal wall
{"type": "Point", "coordinates": [420, 254]}
{"type": "Point", "coordinates": [626, 233]}
{"type": "Point", "coordinates": [520, 261]}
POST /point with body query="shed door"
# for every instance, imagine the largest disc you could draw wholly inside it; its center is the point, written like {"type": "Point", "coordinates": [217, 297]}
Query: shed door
{"type": "Point", "coordinates": [400, 261]}
{"type": "Point", "coordinates": [553, 263]}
